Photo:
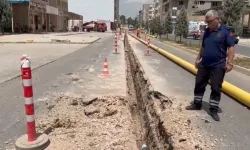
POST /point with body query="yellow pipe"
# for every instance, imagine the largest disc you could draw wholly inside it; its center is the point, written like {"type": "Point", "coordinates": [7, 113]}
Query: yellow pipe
{"type": "Point", "coordinates": [235, 92]}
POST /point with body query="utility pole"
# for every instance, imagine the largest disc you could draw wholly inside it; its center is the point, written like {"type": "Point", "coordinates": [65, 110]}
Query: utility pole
{"type": "Point", "coordinates": [116, 12]}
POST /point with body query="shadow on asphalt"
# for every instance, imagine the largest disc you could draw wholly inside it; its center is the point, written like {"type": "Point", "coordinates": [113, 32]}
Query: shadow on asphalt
{"type": "Point", "coordinates": [206, 106]}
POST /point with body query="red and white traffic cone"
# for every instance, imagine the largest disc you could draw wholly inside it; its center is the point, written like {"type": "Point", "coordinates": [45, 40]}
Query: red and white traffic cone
{"type": "Point", "coordinates": [116, 46]}
{"type": "Point", "coordinates": [148, 48]}
{"type": "Point", "coordinates": [105, 71]}
{"type": "Point", "coordinates": [27, 141]}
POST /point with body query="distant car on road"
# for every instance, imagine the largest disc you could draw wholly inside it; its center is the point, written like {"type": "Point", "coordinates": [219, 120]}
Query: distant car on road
{"type": "Point", "coordinates": [130, 28]}
{"type": "Point", "coordinates": [101, 27]}
{"type": "Point", "coordinates": [196, 29]}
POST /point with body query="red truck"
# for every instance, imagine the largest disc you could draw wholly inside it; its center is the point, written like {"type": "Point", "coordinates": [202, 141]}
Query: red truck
{"type": "Point", "coordinates": [94, 26]}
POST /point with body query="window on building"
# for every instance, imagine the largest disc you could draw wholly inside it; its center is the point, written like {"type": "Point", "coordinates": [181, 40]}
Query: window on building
{"type": "Point", "coordinates": [199, 2]}
{"type": "Point", "coordinates": [174, 12]}
{"type": "Point", "coordinates": [181, 3]}
{"type": "Point", "coordinates": [215, 4]}
{"type": "Point", "coordinates": [202, 2]}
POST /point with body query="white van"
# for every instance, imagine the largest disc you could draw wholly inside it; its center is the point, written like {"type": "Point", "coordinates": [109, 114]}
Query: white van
{"type": "Point", "coordinates": [196, 29]}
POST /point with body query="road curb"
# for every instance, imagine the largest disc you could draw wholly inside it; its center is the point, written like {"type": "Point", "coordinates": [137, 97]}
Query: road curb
{"type": "Point", "coordinates": [233, 91]}
{"type": "Point", "coordinates": [52, 42]}
{"type": "Point", "coordinates": [236, 67]}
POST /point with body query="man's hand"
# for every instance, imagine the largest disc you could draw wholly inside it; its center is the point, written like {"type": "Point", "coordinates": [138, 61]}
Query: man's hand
{"type": "Point", "coordinates": [228, 67]}
{"type": "Point", "coordinates": [197, 62]}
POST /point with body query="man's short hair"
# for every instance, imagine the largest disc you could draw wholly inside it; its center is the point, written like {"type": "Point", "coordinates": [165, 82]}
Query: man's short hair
{"type": "Point", "coordinates": [212, 13]}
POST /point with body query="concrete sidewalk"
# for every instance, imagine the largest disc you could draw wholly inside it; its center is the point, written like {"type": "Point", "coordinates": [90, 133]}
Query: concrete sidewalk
{"type": "Point", "coordinates": [69, 38]}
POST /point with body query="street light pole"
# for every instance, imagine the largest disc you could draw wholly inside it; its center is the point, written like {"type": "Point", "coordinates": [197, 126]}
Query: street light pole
{"type": "Point", "coordinates": [139, 11]}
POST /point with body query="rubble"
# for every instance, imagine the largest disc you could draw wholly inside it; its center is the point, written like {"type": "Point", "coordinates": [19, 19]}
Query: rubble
{"type": "Point", "coordinates": [91, 124]}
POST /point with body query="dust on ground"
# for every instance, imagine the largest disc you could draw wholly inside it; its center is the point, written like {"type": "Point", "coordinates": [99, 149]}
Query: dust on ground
{"type": "Point", "coordinates": [97, 123]}
{"type": "Point", "coordinates": [181, 126]}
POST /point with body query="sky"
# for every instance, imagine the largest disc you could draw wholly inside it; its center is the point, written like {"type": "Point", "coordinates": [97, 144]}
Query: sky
{"type": "Point", "coordinates": [104, 9]}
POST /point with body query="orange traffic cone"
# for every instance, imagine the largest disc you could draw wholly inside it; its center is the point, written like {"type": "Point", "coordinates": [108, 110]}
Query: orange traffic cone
{"type": "Point", "coordinates": [105, 71]}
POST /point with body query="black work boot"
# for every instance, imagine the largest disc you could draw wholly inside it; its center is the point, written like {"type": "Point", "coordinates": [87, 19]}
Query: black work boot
{"type": "Point", "coordinates": [194, 106]}
{"type": "Point", "coordinates": [215, 116]}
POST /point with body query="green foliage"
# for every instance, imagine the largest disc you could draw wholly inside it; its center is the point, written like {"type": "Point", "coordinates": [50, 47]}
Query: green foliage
{"type": "Point", "coordinates": [168, 28]}
{"type": "Point", "coordinates": [130, 21]}
{"type": "Point", "coordinates": [133, 22]}
{"type": "Point", "coordinates": [156, 27]}
{"type": "Point", "coordinates": [232, 13]}
{"type": "Point", "coordinates": [123, 19]}
{"type": "Point", "coordinates": [182, 24]}
{"type": "Point", "coordinates": [152, 26]}
{"type": "Point", "coordinates": [136, 23]}
{"type": "Point", "coordinates": [5, 13]}
{"type": "Point", "coordinates": [147, 24]}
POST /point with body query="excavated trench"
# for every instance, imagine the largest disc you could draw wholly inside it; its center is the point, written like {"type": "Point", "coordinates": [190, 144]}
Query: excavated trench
{"type": "Point", "coordinates": [145, 105]}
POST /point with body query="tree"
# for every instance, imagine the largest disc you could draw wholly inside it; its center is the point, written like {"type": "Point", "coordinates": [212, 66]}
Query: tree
{"type": "Point", "coordinates": [130, 21]}
{"type": "Point", "coordinates": [5, 14]}
{"type": "Point", "coordinates": [153, 26]}
{"type": "Point", "coordinates": [232, 13]}
{"type": "Point", "coordinates": [158, 26]}
{"type": "Point", "coordinates": [168, 28]}
{"type": "Point", "coordinates": [147, 25]}
{"type": "Point", "coordinates": [182, 24]}
{"type": "Point", "coordinates": [136, 23]}
{"type": "Point", "coordinates": [123, 19]}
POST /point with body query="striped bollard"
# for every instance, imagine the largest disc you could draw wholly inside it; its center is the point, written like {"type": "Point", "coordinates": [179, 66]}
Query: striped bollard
{"type": "Point", "coordinates": [31, 140]}
{"type": "Point", "coordinates": [148, 48]}
{"type": "Point", "coordinates": [116, 46]}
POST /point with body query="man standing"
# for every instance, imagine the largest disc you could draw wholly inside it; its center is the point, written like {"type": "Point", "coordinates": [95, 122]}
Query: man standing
{"type": "Point", "coordinates": [215, 58]}
{"type": "Point", "coordinates": [138, 32]}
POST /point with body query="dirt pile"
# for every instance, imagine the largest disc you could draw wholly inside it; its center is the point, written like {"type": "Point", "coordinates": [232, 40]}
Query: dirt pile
{"type": "Point", "coordinates": [76, 122]}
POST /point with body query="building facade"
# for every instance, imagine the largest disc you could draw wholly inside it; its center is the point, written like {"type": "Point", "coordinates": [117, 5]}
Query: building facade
{"type": "Point", "coordinates": [40, 15]}
{"type": "Point", "coordinates": [148, 12]}
{"type": "Point", "coordinates": [140, 16]}
{"type": "Point", "coordinates": [157, 8]}
{"type": "Point", "coordinates": [192, 6]}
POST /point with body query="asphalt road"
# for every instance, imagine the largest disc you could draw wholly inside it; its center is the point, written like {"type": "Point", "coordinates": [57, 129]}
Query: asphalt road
{"type": "Point", "coordinates": [240, 49]}
{"type": "Point", "coordinates": [232, 133]}
{"type": "Point", "coordinates": [12, 123]}
{"type": "Point", "coordinates": [234, 77]}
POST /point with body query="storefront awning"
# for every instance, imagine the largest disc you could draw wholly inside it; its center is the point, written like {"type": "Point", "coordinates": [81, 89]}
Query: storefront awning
{"type": "Point", "coordinates": [18, 1]}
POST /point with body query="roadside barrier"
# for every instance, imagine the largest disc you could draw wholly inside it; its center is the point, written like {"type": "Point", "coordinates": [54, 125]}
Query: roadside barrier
{"type": "Point", "coordinates": [31, 140]}
{"type": "Point", "coordinates": [233, 91]}
{"type": "Point", "coordinates": [116, 46]}
{"type": "Point", "coordinates": [105, 71]}
{"type": "Point", "coordinates": [148, 47]}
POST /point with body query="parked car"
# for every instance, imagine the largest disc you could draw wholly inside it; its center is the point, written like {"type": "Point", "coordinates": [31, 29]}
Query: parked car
{"type": "Point", "coordinates": [101, 27]}
{"type": "Point", "coordinates": [196, 29]}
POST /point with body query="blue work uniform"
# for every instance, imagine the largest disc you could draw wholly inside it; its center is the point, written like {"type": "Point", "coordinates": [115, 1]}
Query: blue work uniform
{"type": "Point", "coordinates": [215, 44]}
{"type": "Point", "coordinates": [212, 67]}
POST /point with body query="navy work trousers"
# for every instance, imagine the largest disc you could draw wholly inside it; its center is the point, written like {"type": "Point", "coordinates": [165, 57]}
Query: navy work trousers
{"type": "Point", "coordinates": [216, 77]}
